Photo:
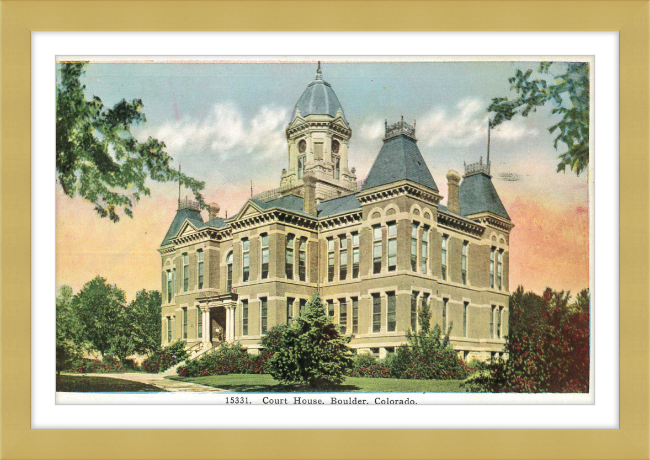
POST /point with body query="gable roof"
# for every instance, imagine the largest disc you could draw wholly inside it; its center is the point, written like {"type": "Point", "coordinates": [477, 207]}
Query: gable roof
{"type": "Point", "coordinates": [477, 194]}
{"type": "Point", "coordinates": [192, 215]}
{"type": "Point", "coordinates": [398, 159]}
{"type": "Point", "coordinates": [338, 205]}
{"type": "Point", "coordinates": [291, 203]}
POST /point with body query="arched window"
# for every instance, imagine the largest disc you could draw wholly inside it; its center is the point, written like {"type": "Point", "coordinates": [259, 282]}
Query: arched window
{"type": "Point", "coordinates": [229, 273]}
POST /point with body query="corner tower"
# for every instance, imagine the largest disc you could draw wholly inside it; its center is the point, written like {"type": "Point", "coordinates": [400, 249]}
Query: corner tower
{"type": "Point", "coordinates": [318, 136]}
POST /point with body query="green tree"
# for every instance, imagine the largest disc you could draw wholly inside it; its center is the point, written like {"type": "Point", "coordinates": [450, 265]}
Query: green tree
{"type": "Point", "coordinates": [568, 91]}
{"type": "Point", "coordinates": [144, 321]}
{"type": "Point", "coordinates": [312, 350]}
{"type": "Point", "coordinates": [428, 355]}
{"type": "Point", "coordinates": [98, 158]}
{"type": "Point", "coordinates": [69, 336]}
{"type": "Point", "coordinates": [100, 308]}
{"type": "Point", "coordinates": [547, 352]}
{"type": "Point", "coordinates": [121, 346]}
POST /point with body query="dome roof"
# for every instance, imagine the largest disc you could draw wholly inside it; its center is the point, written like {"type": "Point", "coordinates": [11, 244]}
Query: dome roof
{"type": "Point", "coordinates": [318, 99]}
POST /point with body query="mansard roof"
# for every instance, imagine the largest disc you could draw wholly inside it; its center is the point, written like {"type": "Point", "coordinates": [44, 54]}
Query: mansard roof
{"type": "Point", "coordinates": [338, 205]}
{"type": "Point", "coordinates": [477, 194]}
{"type": "Point", "coordinates": [191, 215]}
{"type": "Point", "coordinates": [399, 159]}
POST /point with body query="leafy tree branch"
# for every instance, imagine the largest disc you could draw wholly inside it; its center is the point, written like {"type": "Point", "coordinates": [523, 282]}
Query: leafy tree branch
{"type": "Point", "coordinates": [98, 158]}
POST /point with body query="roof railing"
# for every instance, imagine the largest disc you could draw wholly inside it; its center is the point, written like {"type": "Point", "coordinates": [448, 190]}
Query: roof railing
{"type": "Point", "coordinates": [188, 204]}
{"type": "Point", "coordinates": [478, 167]}
{"type": "Point", "coordinates": [401, 127]}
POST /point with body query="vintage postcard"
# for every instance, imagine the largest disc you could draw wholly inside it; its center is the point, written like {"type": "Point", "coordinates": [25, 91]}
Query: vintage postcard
{"type": "Point", "coordinates": [323, 230]}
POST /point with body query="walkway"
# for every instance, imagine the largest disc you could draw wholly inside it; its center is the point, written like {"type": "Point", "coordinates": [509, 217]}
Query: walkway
{"type": "Point", "coordinates": [159, 380]}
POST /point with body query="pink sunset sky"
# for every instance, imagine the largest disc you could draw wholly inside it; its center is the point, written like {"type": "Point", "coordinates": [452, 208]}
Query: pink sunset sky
{"type": "Point", "coordinates": [225, 124]}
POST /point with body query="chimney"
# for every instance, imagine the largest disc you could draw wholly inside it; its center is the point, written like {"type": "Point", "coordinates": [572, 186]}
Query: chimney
{"type": "Point", "coordinates": [453, 181]}
{"type": "Point", "coordinates": [213, 211]}
{"type": "Point", "coordinates": [309, 194]}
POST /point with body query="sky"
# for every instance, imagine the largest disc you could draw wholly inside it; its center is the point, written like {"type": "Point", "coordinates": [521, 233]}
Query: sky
{"type": "Point", "coordinates": [225, 124]}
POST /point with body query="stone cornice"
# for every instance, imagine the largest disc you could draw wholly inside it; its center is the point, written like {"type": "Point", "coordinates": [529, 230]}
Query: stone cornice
{"type": "Point", "coordinates": [403, 187]}
{"type": "Point", "coordinates": [275, 215]}
{"type": "Point", "coordinates": [492, 220]}
{"type": "Point", "coordinates": [460, 224]}
{"type": "Point", "coordinates": [340, 220]}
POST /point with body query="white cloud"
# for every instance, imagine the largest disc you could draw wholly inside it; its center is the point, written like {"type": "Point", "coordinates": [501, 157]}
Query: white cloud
{"type": "Point", "coordinates": [466, 125]}
{"type": "Point", "coordinates": [371, 130]}
{"type": "Point", "coordinates": [225, 131]}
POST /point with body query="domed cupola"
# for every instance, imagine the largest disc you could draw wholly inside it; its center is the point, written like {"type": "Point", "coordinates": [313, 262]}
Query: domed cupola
{"type": "Point", "coordinates": [318, 99]}
{"type": "Point", "coordinates": [317, 136]}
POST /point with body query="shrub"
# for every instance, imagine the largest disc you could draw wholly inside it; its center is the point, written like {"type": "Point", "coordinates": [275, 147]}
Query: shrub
{"type": "Point", "coordinates": [427, 355]}
{"type": "Point", "coordinates": [226, 359]}
{"type": "Point", "coordinates": [548, 354]}
{"type": "Point", "coordinates": [372, 371]}
{"type": "Point", "coordinates": [90, 366]}
{"type": "Point", "coordinates": [164, 358]}
{"type": "Point", "coordinates": [121, 346]}
{"type": "Point", "coordinates": [312, 351]}
{"type": "Point", "coordinates": [363, 360]}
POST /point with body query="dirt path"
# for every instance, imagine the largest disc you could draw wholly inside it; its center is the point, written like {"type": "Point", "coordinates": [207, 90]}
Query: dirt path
{"type": "Point", "coordinates": [159, 380]}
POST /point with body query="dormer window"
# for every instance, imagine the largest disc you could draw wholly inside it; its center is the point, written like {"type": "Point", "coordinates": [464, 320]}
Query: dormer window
{"type": "Point", "coordinates": [335, 146]}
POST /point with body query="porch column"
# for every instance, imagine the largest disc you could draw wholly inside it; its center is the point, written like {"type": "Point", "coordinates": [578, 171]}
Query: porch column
{"type": "Point", "coordinates": [230, 320]}
{"type": "Point", "coordinates": [205, 326]}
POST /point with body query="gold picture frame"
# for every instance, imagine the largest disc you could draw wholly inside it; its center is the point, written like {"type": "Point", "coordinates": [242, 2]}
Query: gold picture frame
{"type": "Point", "coordinates": [20, 18]}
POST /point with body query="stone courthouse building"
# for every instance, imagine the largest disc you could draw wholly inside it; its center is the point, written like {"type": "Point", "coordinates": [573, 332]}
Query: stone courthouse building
{"type": "Point", "coordinates": [375, 251]}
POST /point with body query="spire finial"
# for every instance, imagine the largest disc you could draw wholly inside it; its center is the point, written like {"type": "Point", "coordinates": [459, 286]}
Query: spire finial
{"type": "Point", "coordinates": [319, 73]}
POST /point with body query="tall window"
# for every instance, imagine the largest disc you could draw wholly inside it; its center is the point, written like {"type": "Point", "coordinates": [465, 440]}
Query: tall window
{"type": "Point", "coordinates": [355, 315]}
{"type": "Point", "coordinates": [391, 315]}
{"type": "Point", "coordinates": [265, 255]}
{"type": "Point", "coordinates": [244, 317]}
{"type": "Point", "coordinates": [169, 329]}
{"type": "Point", "coordinates": [302, 259]}
{"type": "Point", "coordinates": [199, 323]}
{"type": "Point", "coordinates": [229, 273]}
{"type": "Point", "coordinates": [186, 272]}
{"type": "Point", "coordinates": [414, 246]}
{"type": "Point", "coordinates": [499, 314]}
{"type": "Point", "coordinates": [200, 267]}
{"type": "Point", "coordinates": [499, 268]}
{"type": "Point", "coordinates": [392, 246]}
{"type": "Point", "coordinates": [445, 239]}
{"type": "Point", "coordinates": [343, 258]}
{"type": "Point", "coordinates": [245, 259]}
{"type": "Point", "coordinates": [445, 302]}
{"type": "Point", "coordinates": [465, 305]}
{"type": "Point", "coordinates": [424, 260]}
{"type": "Point", "coordinates": [463, 262]}
{"type": "Point", "coordinates": [425, 300]}
{"type": "Point", "coordinates": [303, 306]}
{"type": "Point", "coordinates": [169, 286]}
{"type": "Point", "coordinates": [492, 251]}
{"type": "Point", "coordinates": [264, 314]}
{"type": "Point", "coordinates": [330, 308]}
{"type": "Point", "coordinates": [184, 323]}
{"type": "Point", "coordinates": [301, 166]}
{"type": "Point", "coordinates": [343, 315]}
{"type": "Point", "coordinates": [330, 259]}
{"type": "Point", "coordinates": [337, 167]}
{"type": "Point", "coordinates": [376, 249]}
{"type": "Point", "coordinates": [288, 260]}
{"type": "Point", "coordinates": [414, 310]}
{"type": "Point", "coordinates": [290, 301]}
{"type": "Point", "coordinates": [492, 321]}
{"type": "Point", "coordinates": [355, 255]}
{"type": "Point", "coordinates": [376, 313]}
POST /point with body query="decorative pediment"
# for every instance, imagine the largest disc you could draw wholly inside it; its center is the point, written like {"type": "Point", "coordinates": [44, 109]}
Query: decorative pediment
{"type": "Point", "coordinates": [186, 229]}
{"type": "Point", "coordinates": [249, 209]}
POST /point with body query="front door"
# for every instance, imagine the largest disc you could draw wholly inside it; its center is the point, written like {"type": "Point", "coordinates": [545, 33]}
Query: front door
{"type": "Point", "coordinates": [218, 325]}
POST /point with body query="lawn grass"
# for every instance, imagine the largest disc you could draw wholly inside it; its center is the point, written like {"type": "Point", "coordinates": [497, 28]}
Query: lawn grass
{"type": "Point", "coordinates": [86, 384]}
{"type": "Point", "coordinates": [264, 383]}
